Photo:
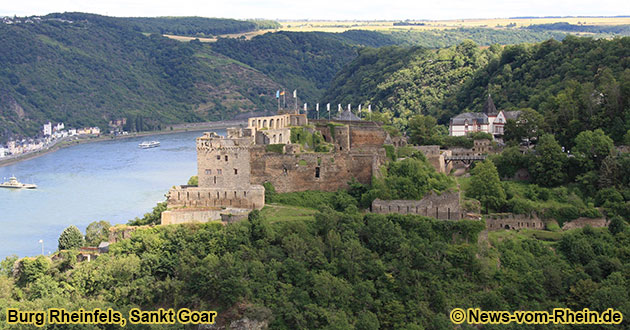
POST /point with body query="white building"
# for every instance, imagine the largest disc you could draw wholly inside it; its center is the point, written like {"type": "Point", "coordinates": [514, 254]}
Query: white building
{"type": "Point", "coordinates": [58, 127]}
{"type": "Point", "coordinates": [489, 121]}
{"type": "Point", "coordinates": [3, 152]}
{"type": "Point", "coordinates": [47, 129]}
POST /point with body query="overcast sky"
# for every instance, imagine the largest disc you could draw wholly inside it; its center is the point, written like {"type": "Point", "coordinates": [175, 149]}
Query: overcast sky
{"type": "Point", "coordinates": [323, 9]}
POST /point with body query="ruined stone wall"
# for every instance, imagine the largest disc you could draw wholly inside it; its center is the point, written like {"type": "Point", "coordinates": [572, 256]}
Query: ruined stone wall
{"type": "Point", "coordinates": [513, 221]}
{"type": "Point", "coordinates": [364, 135]}
{"type": "Point", "coordinates": [444, 206]}
{"type": "Point", "coordinates": [274, 136]}
{"type": "Point", "coordinates": [435, 157]}
{"type": "Point", "coordinates": [179, 216]}
{"type": "Point", "coordinates": [248, 196]}
{"type": "Point", "coordinates": [312, 171]}
{"type": "Point", "coordinates": [583, 222]}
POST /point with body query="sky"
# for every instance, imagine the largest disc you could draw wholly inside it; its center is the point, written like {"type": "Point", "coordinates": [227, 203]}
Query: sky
{"type": "Point", "coordinates": [323, 9]}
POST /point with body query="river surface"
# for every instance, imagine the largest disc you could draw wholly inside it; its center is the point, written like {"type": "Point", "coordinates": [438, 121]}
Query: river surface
{"type": "Point", "coordinates": [108, 180]}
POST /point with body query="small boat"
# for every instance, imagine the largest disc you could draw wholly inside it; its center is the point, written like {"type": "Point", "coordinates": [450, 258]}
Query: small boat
{"type": "Point", "coordinates": [149, 144]}
{"type": "Point", "coordinates": [13, 183]}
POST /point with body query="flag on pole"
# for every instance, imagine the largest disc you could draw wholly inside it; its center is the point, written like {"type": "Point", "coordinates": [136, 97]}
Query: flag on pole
{"type": "Point", "coordinates": [339, 109]}
{"type": "Point", "coordinates": [328, 107]}
{"type": "Point", "coordinates": [304, 107]}
{"type": "Point", "coordinates": [317, 107]}
{"type": "Point", "coordinates": [349, 107]}
{"type": "Point", "coordinates": [359, 108]}
{"type": "Point", "coordinates": [278, 94]}
{"type": "Point", "coordinates": [295, 93]}
{"type": "Point", "coordinates": [369, 108]}
{"type": "Point", "coordinates": [282, 93]}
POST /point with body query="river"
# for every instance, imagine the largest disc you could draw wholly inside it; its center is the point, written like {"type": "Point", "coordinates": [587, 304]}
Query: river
{"type": "Point", "coordinates": [108, 180]}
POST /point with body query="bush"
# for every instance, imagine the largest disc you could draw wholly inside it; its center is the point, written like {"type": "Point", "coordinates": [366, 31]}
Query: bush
{"type": "Point", "coordinates": [193, 181]}
{"type": "Point", "coordinates": [520, 206]}
{"type": "Point", "coordinates": [71, 238]}
{"type": "Point", "coordinates": [562, 213]}
{"type": "Point", "coordinates": [270, 192]}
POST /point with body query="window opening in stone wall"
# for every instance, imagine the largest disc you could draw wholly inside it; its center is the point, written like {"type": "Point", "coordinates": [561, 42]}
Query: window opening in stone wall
{"type": "Point", "coordinates": [219, 171]}
{"type": "Point", "coordinates": [218, 157]}
{"type": "Point", "coordinates": [226, 158]}
{"type": "Point", "coordinates": [317, 172]}
{"type": "Point", "coordinates": [235, 171]}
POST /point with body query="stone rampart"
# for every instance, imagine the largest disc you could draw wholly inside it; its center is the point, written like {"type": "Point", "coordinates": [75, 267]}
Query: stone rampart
{"type": "Point", "coordinates": [499, 221]}
{"type": "Point", "coordinates": [445, 206]}
{"type": "Point", "coordinates": [583, 222]}
{"type": "Point", "coordinates": [200, 215]}
{"type": "Point", "coordinates": [313, 171]}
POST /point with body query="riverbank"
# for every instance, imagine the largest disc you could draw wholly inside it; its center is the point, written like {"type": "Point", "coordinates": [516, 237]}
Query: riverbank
{"type": "Point", "coordinates": [188, 127]}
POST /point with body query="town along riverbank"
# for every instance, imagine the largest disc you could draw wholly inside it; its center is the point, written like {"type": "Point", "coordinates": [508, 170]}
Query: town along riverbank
{"type": "Point", "coordinates": [171, 129]}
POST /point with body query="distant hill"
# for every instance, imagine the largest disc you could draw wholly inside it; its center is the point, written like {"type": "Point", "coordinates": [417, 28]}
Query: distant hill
{"type": "Point", "coordinates": [87, 69]}
{"type": "Point", "coordinates": [304, 60]}
{"type": "Point", "coordinates": [566, 27]}
{"type": "Point", "coordinates": [197, 26]}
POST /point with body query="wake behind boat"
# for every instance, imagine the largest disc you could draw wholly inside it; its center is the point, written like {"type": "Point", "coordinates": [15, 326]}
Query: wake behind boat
{"type": "Point", "coordinates": [13, 183]}
{"type": "Point", "coordinates": [149, 144]}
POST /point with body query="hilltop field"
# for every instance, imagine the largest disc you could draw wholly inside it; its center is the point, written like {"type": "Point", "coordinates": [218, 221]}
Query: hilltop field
{"type": "Point", "coordinates": [423, 25]}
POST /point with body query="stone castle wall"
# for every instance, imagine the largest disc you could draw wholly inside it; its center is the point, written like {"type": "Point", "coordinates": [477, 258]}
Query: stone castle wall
{"type": "Point", "coordinates": [583, 222]}
{"type": "Point", "coordinates": [251, 197]}
{"type": "Point", "coordinates": [513, 221]}
{"type": "Point", "coordinates": [445, 206]}
{"type": "Point", "coordinates": [200, 215]}
{"type": "Point", "coordinates": [313, 171]}
{"type": "Point", "coordinates": [435, 157]}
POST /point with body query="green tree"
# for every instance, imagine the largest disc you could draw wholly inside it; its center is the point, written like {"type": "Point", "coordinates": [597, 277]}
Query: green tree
{"type": "Point", "coordinates": [97, 232]}
{"type": "Point", "coordinates": [422, 129]}
{"type": "Point", "coordinates": [193, 181]}
{"type": "Point", "coordinates": [548, 168]}
{"type": "Point", "coordinates": [485, 186]}
{"type": "Point", "coordinates": [527, 127]}
{"type": "Point", "coordinates": [71, 238]}
{"type": "Point", "coordinates": [591, 148]}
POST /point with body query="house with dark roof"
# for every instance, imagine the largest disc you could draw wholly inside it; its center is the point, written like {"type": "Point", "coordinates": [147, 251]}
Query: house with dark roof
{"type": "Point", "coordinates": [489, 121]}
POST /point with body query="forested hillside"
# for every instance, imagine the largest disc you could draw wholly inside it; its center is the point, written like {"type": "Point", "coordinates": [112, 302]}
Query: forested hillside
{"type": "Point", "coordinates": [578, 83]}
{"type": "Point", "coordinates": [336, 270]}
{"type": "Point", "coordinates": [479, 35]}
{"type": "Point", "coordinates": [197, 26]}
{"type": "Point", "coordinates": [401, 82]}
{"type": "Point", "coordinates": [306, 61]}
{"type": "Point", "coordinates": [566, 27]}
{"type": "Point", "coordinates": [95, 69]}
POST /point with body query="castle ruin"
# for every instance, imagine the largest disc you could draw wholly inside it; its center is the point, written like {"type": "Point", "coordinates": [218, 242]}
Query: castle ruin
{"type": "Point", "coordinates": [231, 170]}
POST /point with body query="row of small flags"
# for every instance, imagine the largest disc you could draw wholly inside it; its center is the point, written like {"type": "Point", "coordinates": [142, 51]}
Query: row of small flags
{"type": "Point", "coordinates": [281, 93]}
{"type": "Point", "coordinates": [338, 107]}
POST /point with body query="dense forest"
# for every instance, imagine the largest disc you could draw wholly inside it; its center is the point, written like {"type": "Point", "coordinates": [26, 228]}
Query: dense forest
{"type": "Point", "coordinates": [481, 36]}
{"type": "Point", "coordinates": [577, 84]}
{"type": "Point", "coordinates": [401, 82]}
{"type": "Point", "coordinates": [335, 269]}
{"type": "Point", "coordinates": [197, 26]}
{"type": "Point", "coordinates": [306, 61]}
